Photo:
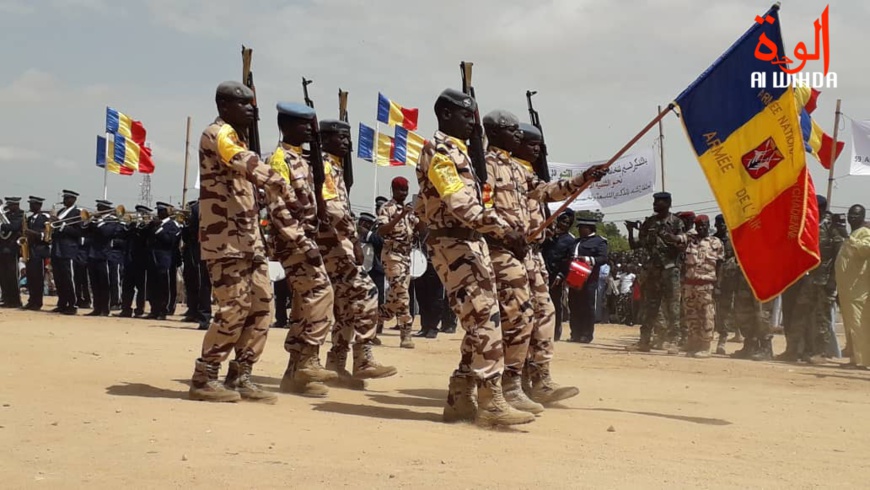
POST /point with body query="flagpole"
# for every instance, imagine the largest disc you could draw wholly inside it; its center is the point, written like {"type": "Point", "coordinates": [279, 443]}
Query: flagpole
{"type": "Point", "coordinates": [833, 153]}
{"type": "Point", "coordinates": [610, 162]}
{"type": "Point", "coordinates": [662, 149]}
{"type": "Point", "coordinates": [186, 161]}
{"type": "Point", "coordinates": [106, 178]}
{"type": "Point", "coordinates": [375, 161]}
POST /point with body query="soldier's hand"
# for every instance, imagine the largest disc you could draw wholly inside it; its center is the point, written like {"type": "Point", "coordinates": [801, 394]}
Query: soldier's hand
{"type": "Point", "coordinates": [358, 253]}
{"type": "Point", "coordinates": [631, 225]}
{"type": "Point", "coordinates": [516, 243]}
{"type": "Point", "coordinates": [313, 257]}
{"type": "Point", "coordinates": [596, 173]}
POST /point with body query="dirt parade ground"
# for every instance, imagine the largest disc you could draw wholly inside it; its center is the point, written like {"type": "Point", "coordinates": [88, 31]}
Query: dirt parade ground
{"type": "Point", "coordinates": [101, 403]}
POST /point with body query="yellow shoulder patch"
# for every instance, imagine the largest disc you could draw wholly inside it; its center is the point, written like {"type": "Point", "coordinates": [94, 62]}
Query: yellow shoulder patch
{"type": "Point", "coordinates": [276, 161]}
{"type": "Point", "coordinates": [444, 176]}
{"type": "Point", "coordinates": [228, 143]}
{"type": "Point", "coordinates": [329, 190]}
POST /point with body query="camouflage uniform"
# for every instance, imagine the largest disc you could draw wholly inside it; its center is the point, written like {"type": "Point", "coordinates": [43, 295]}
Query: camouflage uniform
{"type": "Point", "coordinates": [724, 293]}
{"type": "Point", "coordinates": [396, 257]}
{"type": "Point", "coordinates": [233, 250]}
{"type": "Point", "coordinates": [311, 314]}
{"type": "Point", "coordinates": [702, 258]}
{"type": "Point", "coordinates": [809, 333]}
{"type": "Point", "coordinates": [748, 316]}
{"type": "Point", "coordinates": [661, 278]}
{"type": "Point", "coordinates": [356, 310]}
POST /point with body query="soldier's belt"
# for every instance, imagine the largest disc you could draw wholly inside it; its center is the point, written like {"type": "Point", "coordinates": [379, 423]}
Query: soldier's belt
{"type": "Point", "coordinates": [700, 282]}
{"type": "Point", "coordinates": [457, 233]}
{"type": "Point", "coordinates": [495, 242]}
{"type": "Point", "coordinates": [329, 241]}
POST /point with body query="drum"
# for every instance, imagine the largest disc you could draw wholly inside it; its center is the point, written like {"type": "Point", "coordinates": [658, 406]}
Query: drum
{"type": "Point", "coordinates": [368, 257]}
{"type": "Point", "coordinates": [578, 273]}
{"type": "Point", "coordinates": [418, 263]}
{"type": "Point", "coordinates": [276, 271]}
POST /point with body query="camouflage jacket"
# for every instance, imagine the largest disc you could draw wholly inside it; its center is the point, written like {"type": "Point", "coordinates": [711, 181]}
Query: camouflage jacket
{"type": "Point", "coordinates": [229, 213]}
{"type": "Point", "coordinates": [702, 259]}
{"type": "Point", "coordinates": [450, 196]}
{"type": "Point", "coordinates": [337, 202]}
{"type": "Point", "coordinates": [537, 209]}
{"type": "Point", "coordinates": [651, 239]}
{"type": "Point", "coordinates": [830, 240]}
{"type": "Point", "coordinates": [400, 238]}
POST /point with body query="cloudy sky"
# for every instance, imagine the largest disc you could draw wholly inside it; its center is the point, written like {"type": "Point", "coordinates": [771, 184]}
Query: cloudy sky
{"type": "Point", "coordinates": [600, 68]}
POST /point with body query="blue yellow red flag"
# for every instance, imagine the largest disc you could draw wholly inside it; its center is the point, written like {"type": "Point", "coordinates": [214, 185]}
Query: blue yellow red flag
{"type": "Point", "coordinates": [106, 157]}
{"type": "Point", "coordinates": [366, 142]}
{"type": "Point", "coordinates": [749, 144]}
{"type": "Point", "coordinates": [119, 123]}
{"type": "Point", "coordinates": [395, 115]}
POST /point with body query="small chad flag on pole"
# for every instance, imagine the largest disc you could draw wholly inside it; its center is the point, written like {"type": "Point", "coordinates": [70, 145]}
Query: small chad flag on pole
{"type": "Point", "coordinates": [395, 115]}
{"type": "Point", "coordinates": [106, 157]}
{"type": "Point", "coordinates": [120, 123]}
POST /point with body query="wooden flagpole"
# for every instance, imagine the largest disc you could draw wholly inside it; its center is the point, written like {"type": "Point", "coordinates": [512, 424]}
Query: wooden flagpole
{"type": "Point", "coordinates": [186, 162]}
{"type": "Point", "coordinates": [833, 153]}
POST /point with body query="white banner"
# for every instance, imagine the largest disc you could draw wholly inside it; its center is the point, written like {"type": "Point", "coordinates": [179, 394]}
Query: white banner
{"type": "Point", "coordinates": [630, 177]}
{"type": "Point", "coordinates": [860, 148]}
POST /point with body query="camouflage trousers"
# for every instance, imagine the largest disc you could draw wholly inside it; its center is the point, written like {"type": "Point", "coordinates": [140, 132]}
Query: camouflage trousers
{"type": "Point", "coordinates": [699, 315]}
{"type": "Point", "coordinates": [356, 296]}
{"type": "Point", "coordinates": [311, 316]}
{"type": "Point", "coordinates": [397, 268]}
{"type": "Point", "coordinates": [542, 342]}
{"type": "Point", "coordinates": [661, 290]}
{"type": "Point", "coordinates": [465, 269]}
{"type": "Point", "coordinates": [747, 314]}
{"type": "Point", "coordinates": [241, 320]}
{"type": "Point", "coordinates": [514, 306]}
{"type": "Point", "coordinates": [811, 324]}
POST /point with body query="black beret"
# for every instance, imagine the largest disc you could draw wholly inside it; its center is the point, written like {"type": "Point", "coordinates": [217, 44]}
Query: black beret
{"type": "Point", "coordinates": [530, 132]}
{"type": "Point", "coordinates": [333, 126]}
{"type": "Point", "coordinates": [501, 117]}
{"type": "Point", "coordinates": [457, 98]}
{"type": "Point", "coordinates": [232, 90]}
{"type": "Point", "coordinates": [662, 195]}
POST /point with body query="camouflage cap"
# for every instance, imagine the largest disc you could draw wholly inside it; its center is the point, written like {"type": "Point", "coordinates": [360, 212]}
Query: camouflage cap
{"type": "Point", "coordinates": [232, 90]}
{"type": "Point", "coordinates": [457, 98]}
{"type": "Point", "coordinates": [530, 132]}
{"type": "Point", "coordinates": [334, 126]}
{"type": "Point", "coordinates": [295, 110]}
{"type": "Point", "coordinates": [501, 117]}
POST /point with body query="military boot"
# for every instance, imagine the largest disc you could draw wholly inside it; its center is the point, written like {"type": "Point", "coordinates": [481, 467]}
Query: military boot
{"type": "Point", "coordinates": [239, 379]}
{"type": "Point", "coordinates": [749, 348]}
{"type": "Point", "coordinates": [792, 347]}
{"type": "Point", "coordinates": [336, 361]}
{"type": "Point", "coordinates": [305, 376]}
{"type": "Point", "coordinates": [764, 351]}
{"type": "Point", "coordinates": [720, 345]}
{"type": "Point", "coordinates": [513, 394]}
{"type": "Point", "coordinates": [737, 338]}
{"type": "Point", "coordinates": [366, 367]}
{"type": "Point", "coordinates": [672, 348]}
{"type": "Point", "coordinates": [493, 410]}
{"type": "Point", "coordinates": [527, 379]}
{"type": "Point", "coordinates": [642, 345]}
{"type": "Point", "coordinates": [205, 386]}
{"type": "Point", "coordinates": [461, 400]}
{"type": "Point", "coordinates": [545, 390]}
{"type": "Point", "coordinates": [405, 335]}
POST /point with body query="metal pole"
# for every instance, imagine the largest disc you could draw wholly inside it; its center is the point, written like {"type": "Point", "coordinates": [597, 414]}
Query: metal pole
{"type": "Point", "coordinates": [615, 157]}
{"type": "Point", "coordinates": [833, 153]}
{"type": "Point", "coordinates": [662, 150]}
{"type": "Point", "coordinates": [106, 181]}
{"type": "Point", "coordinates": [186, 161]}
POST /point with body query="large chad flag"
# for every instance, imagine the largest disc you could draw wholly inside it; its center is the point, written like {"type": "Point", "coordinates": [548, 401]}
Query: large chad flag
{"type": "Point", "coordinates": [749, 143]}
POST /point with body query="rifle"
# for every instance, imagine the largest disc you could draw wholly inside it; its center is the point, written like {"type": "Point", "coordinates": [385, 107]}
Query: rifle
{"type": "Point", "coordinates": [541, 167]}
{"type": "Point", "coordinates": [315, 155]}
{"type": "Point", "coordinates": [347, 164]}
{"type": "Point", "coordinates": [475, 143]}
{"type": "Point", "coordinates": [253, 136]}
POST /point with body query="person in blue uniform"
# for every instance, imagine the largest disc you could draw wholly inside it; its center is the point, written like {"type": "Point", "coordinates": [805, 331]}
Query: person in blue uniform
{"type": "Point", "coordinates": [65, 244]}
{"type": "Point", "coordinates": [117, 258]}
{"type": "Point", "coordinates": [136, 264]}
{"type": "Point", "coordinates": [592, 249]}
{"type": "Point", "coordinates": [557, 252]}
{"type": "Point", "coordinates": [100, 232]}
{"type": "Point", "coordinates": [369, 238]}
{"type": "Point", "coordinates": [163, 237]}
{"type": "Point", "coordinates": [39, 251]}
{"type": "Point", "coordinates": [197, 284]}
{"type": "Point", "coordinates": [9, 251]}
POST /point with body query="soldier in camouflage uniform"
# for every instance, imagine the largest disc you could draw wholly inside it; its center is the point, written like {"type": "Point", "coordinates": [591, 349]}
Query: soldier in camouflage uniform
{"type": "Point", "coordinates": [809, 334]}
{"type": "Point", "coordinates": [664, 240]}
{"type": "Point", "coordinates": [509, 188]}
{"type": "Point", "coordinates": [311, 315]}
{"type": "Point", "coordinates": [688, 219]}
{"type": "Point", "coordinates": [726, 280]}
{"type": "Point", "coordinates": [356, 311]}
{"type": "Point", "coordinates": [451, 206]}
{"type": "Point", "coordinates": [703, 255]}
{"type": "Point", "coordinates": [397, 225]}
{"type": "Point", "coordinates": [537, 382]}
{"type": "Point", "coordinates": [234, 251]}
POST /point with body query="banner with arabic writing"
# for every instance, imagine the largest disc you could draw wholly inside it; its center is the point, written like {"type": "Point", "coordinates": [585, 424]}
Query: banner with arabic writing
{"type": "Point", "coordinates": [630, 177]}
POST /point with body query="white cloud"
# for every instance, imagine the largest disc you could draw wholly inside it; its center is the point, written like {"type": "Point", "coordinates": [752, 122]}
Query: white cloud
{"type": "Point", "coordinates": [19, 7]}
{"type": "Point", "coordinates": [11, 154]}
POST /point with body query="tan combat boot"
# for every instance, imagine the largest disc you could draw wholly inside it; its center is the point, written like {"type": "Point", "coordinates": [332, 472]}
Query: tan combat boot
{"type": "Point", "coordinates": [366, 367]}
{"type": "Point", "coordinates": [405, 336]}
{"type": "Point", "coordinates": [461, 400]}
{"type": "Point", "coordinates": [513, 394]}
{"type": "Point", "coordinates": [527, 379]}
{"type": "Point", "coordinates": [493, 410]}
{"type": "Point", "coordinates": [205, 386]}
{"type": "Point", "coordinates": [239, 379]}
{"type": "Point", "coordinates": [309, 368]}
{"type": "Point", "coordinates": [336, 360]}
{"type": "Point", "coordinates": [296, 380]}
{"type": "Point", "coordinates": [545, 390]}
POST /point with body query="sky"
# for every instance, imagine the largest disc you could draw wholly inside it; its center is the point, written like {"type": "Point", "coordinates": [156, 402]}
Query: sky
{"type": "Point", "coordinates": [600, 69]}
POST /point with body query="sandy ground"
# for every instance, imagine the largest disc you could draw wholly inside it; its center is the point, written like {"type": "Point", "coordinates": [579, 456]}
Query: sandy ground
{"type": "Point", "coordinates": [101, 403]}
